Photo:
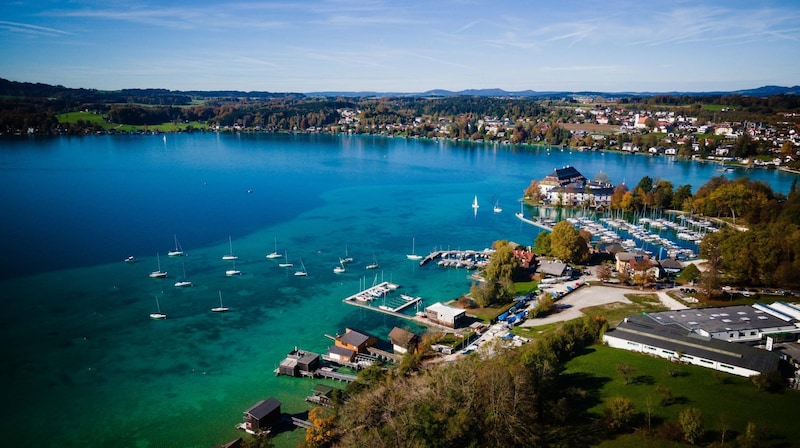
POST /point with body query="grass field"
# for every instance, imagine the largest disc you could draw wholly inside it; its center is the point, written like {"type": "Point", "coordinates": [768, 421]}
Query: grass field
{"type": "Point", "coordinates": [97, 119]}
{"type": "Point", "coordinates": [726, 401]}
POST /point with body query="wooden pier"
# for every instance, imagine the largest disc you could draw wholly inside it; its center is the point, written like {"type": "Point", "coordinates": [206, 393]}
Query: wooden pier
{"type": "Point", "coordinates": [334, 375]}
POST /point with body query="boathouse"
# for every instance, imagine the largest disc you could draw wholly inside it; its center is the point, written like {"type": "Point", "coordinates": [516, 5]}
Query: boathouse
{"type": "Point", "coordinates": [297, 362]}
{"type": "Point", "coordinates": [340, 354]}
{"type": "Point", "coordinates": [446, 315]}
{"type": "Point", "coordinates": [262, 415]}
{"type": "Point", "coordinates": [356, 341]}
{"type": "Point", "coordinates": [402, 340]}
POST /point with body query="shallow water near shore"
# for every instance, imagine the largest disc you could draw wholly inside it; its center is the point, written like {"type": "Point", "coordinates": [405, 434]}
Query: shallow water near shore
{"type": "Point", "coordinates": [83, 359]}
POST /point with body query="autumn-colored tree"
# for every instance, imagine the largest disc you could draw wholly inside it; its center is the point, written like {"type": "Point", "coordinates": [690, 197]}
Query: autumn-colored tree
{"type": "Point", "coordinates": [322, 432]}
{"type": "Point", "coordinates": [567, 244]}
{"type": "Point", "coordinates": [603, 272]}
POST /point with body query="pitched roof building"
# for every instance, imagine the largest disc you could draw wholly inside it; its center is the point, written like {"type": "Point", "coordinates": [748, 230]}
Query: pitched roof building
{"type": "Point", "coordinates": [644, 334]}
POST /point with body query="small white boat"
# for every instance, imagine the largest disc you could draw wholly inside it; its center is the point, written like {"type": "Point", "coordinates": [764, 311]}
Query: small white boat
{"type": "Point", "coordinates": [497, 208]}
{"type": "Point", "coordinates": [303, 272]}
{"type": "Point", "coordinates": [131, 259]}
{"type": "Point", "coordinates": [339, 269]}
{"type": "Point", "coordinates": [413, 255]}
{"type": "Point", "coordinates": [274, 254]}
{"type": "Point", "coordinates": [233, 271]}
{"type": "Point", "coordinates": [159, 273]}
{"type": "Point", "coordinates": [374, 264]}
{"type": "Point", "coordinates": [286, 263]}
{"type": "Point", "coordinates": [230, 255]}
{"type": "Point", "coordinates": [158, 314]}
{"type": "Point", "coordinates": [347, 258]}
{"type": "Point", "coordinates": [220, 308]}
{"type": "Point", "coordinates": [178, 252]}
{"type": "Point", "coordinates": [184, 283]}
{"type": "Point", "coordinates": [475, 202]}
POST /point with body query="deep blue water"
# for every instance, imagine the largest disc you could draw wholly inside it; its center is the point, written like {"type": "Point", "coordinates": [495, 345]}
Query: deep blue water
{"type": "Point", "coordinates": [77, 341]}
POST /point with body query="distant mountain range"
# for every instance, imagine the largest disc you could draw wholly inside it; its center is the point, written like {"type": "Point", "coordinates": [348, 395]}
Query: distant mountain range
{"type": "Point", "coordinates": [39, 90]}
{"type": "Point", "coordinates": [760, 92]}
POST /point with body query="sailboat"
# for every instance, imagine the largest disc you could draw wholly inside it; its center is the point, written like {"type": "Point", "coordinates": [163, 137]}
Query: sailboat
{"type": "Point", "coordinates": [178, 252]}
{"type": "Point", "coordinates": [497, 208]}
{"type": "Point", "coordinates": [347, 258]}
{"type": "Point", "coordinates": [339, 269]}
{"type": "Point", "coordinates": [184, 283]}
{"type": "Point", "coordinates": [274, 253]}
{"type": "Point", "coordinates": [374, 264]}
{"type": "Point", "coordinates": [413, 255]}
{"type": "Point", "coordinates": [286, 263]}
{"type": "Point", "coordinates": [475, 203]}
{"type": "Point", "coordinates": [159, 273]}
{"type": "Point", "coordinates": [232, 271]}
{"type": "Point", "coordinates": [220, 308]}
{"type": "Point", "coordinates": [230, 255]}
{"type": "Point", "coordinates": [158, 314]}
{"type": "Point", "coordinates": [301, 273]}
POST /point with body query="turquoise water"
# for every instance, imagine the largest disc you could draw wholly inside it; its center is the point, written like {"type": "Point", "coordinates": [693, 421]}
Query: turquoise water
{"type": "Point", "coordinates": [83, 363]}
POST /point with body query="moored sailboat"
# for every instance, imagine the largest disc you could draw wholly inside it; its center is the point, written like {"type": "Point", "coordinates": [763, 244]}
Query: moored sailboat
{"type": "Point", "coordinates": [158, 314]}
{"type": "Point", "coordinates": [220, 308]}
{"type": "Point", "coordinates": [413, 255]}
{"type": "Point", "coordinates": [274, 253]}
{"type": "Point", "coordinates": [183, 283]}
{"type": "Point", "coordinates": [230, 255]}
{"type": "Point", "coordinates": [286, 263]}
{"type": "Point", "coordinates": [158, 273]}
{"type": "Point", "coordinates": [302, 272]}
{"type": "Point", "coordinates": [178, 251]}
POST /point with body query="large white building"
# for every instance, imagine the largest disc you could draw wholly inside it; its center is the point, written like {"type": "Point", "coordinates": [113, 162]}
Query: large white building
{"type": "Point", "coordinates": [567, 186]}
{"type": "Point", "coordinates": [644, 334]}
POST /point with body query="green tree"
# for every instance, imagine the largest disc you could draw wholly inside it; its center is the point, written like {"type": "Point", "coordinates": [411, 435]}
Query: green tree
{"type": "Point", "coordinates": [681, 195]}
{"type": "Point", "coordinates": [567, 244]}
{"type": "Point", "coordinates": [542, 244]}
{"type": "Point", "coordinates": [691, 421]}
{"type": "Point", "coordinates": [619, 413]}
{"type": "Point", "coordinates": [689, 274]}
{"type": "Point", "coordinates": [502, 264]}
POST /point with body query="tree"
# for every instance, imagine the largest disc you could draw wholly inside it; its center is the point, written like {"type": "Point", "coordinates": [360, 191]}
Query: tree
{"type": "Point", "coordinates": [602, 178]}
{"type": "Point", "coordinates": [502, 264]}
{"type": "Point", "coordinates": [544, 305]}
{"type": "Point", "coordinates": [567, 244]}
{"type": "Point", "coordinates": [619, 413]}
{"type": "Point", "coordinates": [681, 196]}
{"type": "Point", "coordinates": [689, 274]}
{"type": "Point", "coordinates": [542, 244]}
{"type": "Point", "coordinates": [323, 428]}
{"type": "Point", "coordinates": [691, 421]}
{"type": "Point", "coordinates": [603, 272]}
{"type": "Point", "coordinates": [627, 371]}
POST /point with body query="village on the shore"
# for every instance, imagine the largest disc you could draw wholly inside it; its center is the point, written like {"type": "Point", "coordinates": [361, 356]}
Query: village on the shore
{"type": "Point", "coordinates": [742, 340]}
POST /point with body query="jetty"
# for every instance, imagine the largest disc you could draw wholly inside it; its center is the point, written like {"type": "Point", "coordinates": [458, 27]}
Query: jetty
{"type": "Point", "coordinates": [381, 291]}
{"type": "Point", "coordinates": [468, 259]}
{"type": "Point", "coordinates": [535, 222]}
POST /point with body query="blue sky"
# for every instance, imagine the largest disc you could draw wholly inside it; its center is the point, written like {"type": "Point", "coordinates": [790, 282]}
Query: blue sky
{"type": "Point", "coordinates": [408, 46]}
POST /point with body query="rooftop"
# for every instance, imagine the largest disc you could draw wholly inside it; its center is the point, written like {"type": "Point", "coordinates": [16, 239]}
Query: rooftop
{"type": "Point", "coordinates": [718, 319]}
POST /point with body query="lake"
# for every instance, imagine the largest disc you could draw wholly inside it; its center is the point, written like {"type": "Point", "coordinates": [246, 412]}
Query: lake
{"type": "Point", "coordinates": [82, 359]}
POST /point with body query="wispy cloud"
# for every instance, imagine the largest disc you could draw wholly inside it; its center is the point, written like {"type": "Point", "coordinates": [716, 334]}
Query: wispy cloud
{"type": "Point", "coordinates": [26, 28]}
{"type": "Point", "coordinates": [584, 68]}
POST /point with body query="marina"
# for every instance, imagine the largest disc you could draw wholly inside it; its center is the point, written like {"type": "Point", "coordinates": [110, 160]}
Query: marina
{"type": "Point", "coordinates": [381, 291]}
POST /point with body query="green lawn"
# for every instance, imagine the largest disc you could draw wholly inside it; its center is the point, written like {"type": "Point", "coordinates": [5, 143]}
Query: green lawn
{"type": "Point", "coordinates": [73, 117]}
{"type": "Point", "coordinates": [725, 400]}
